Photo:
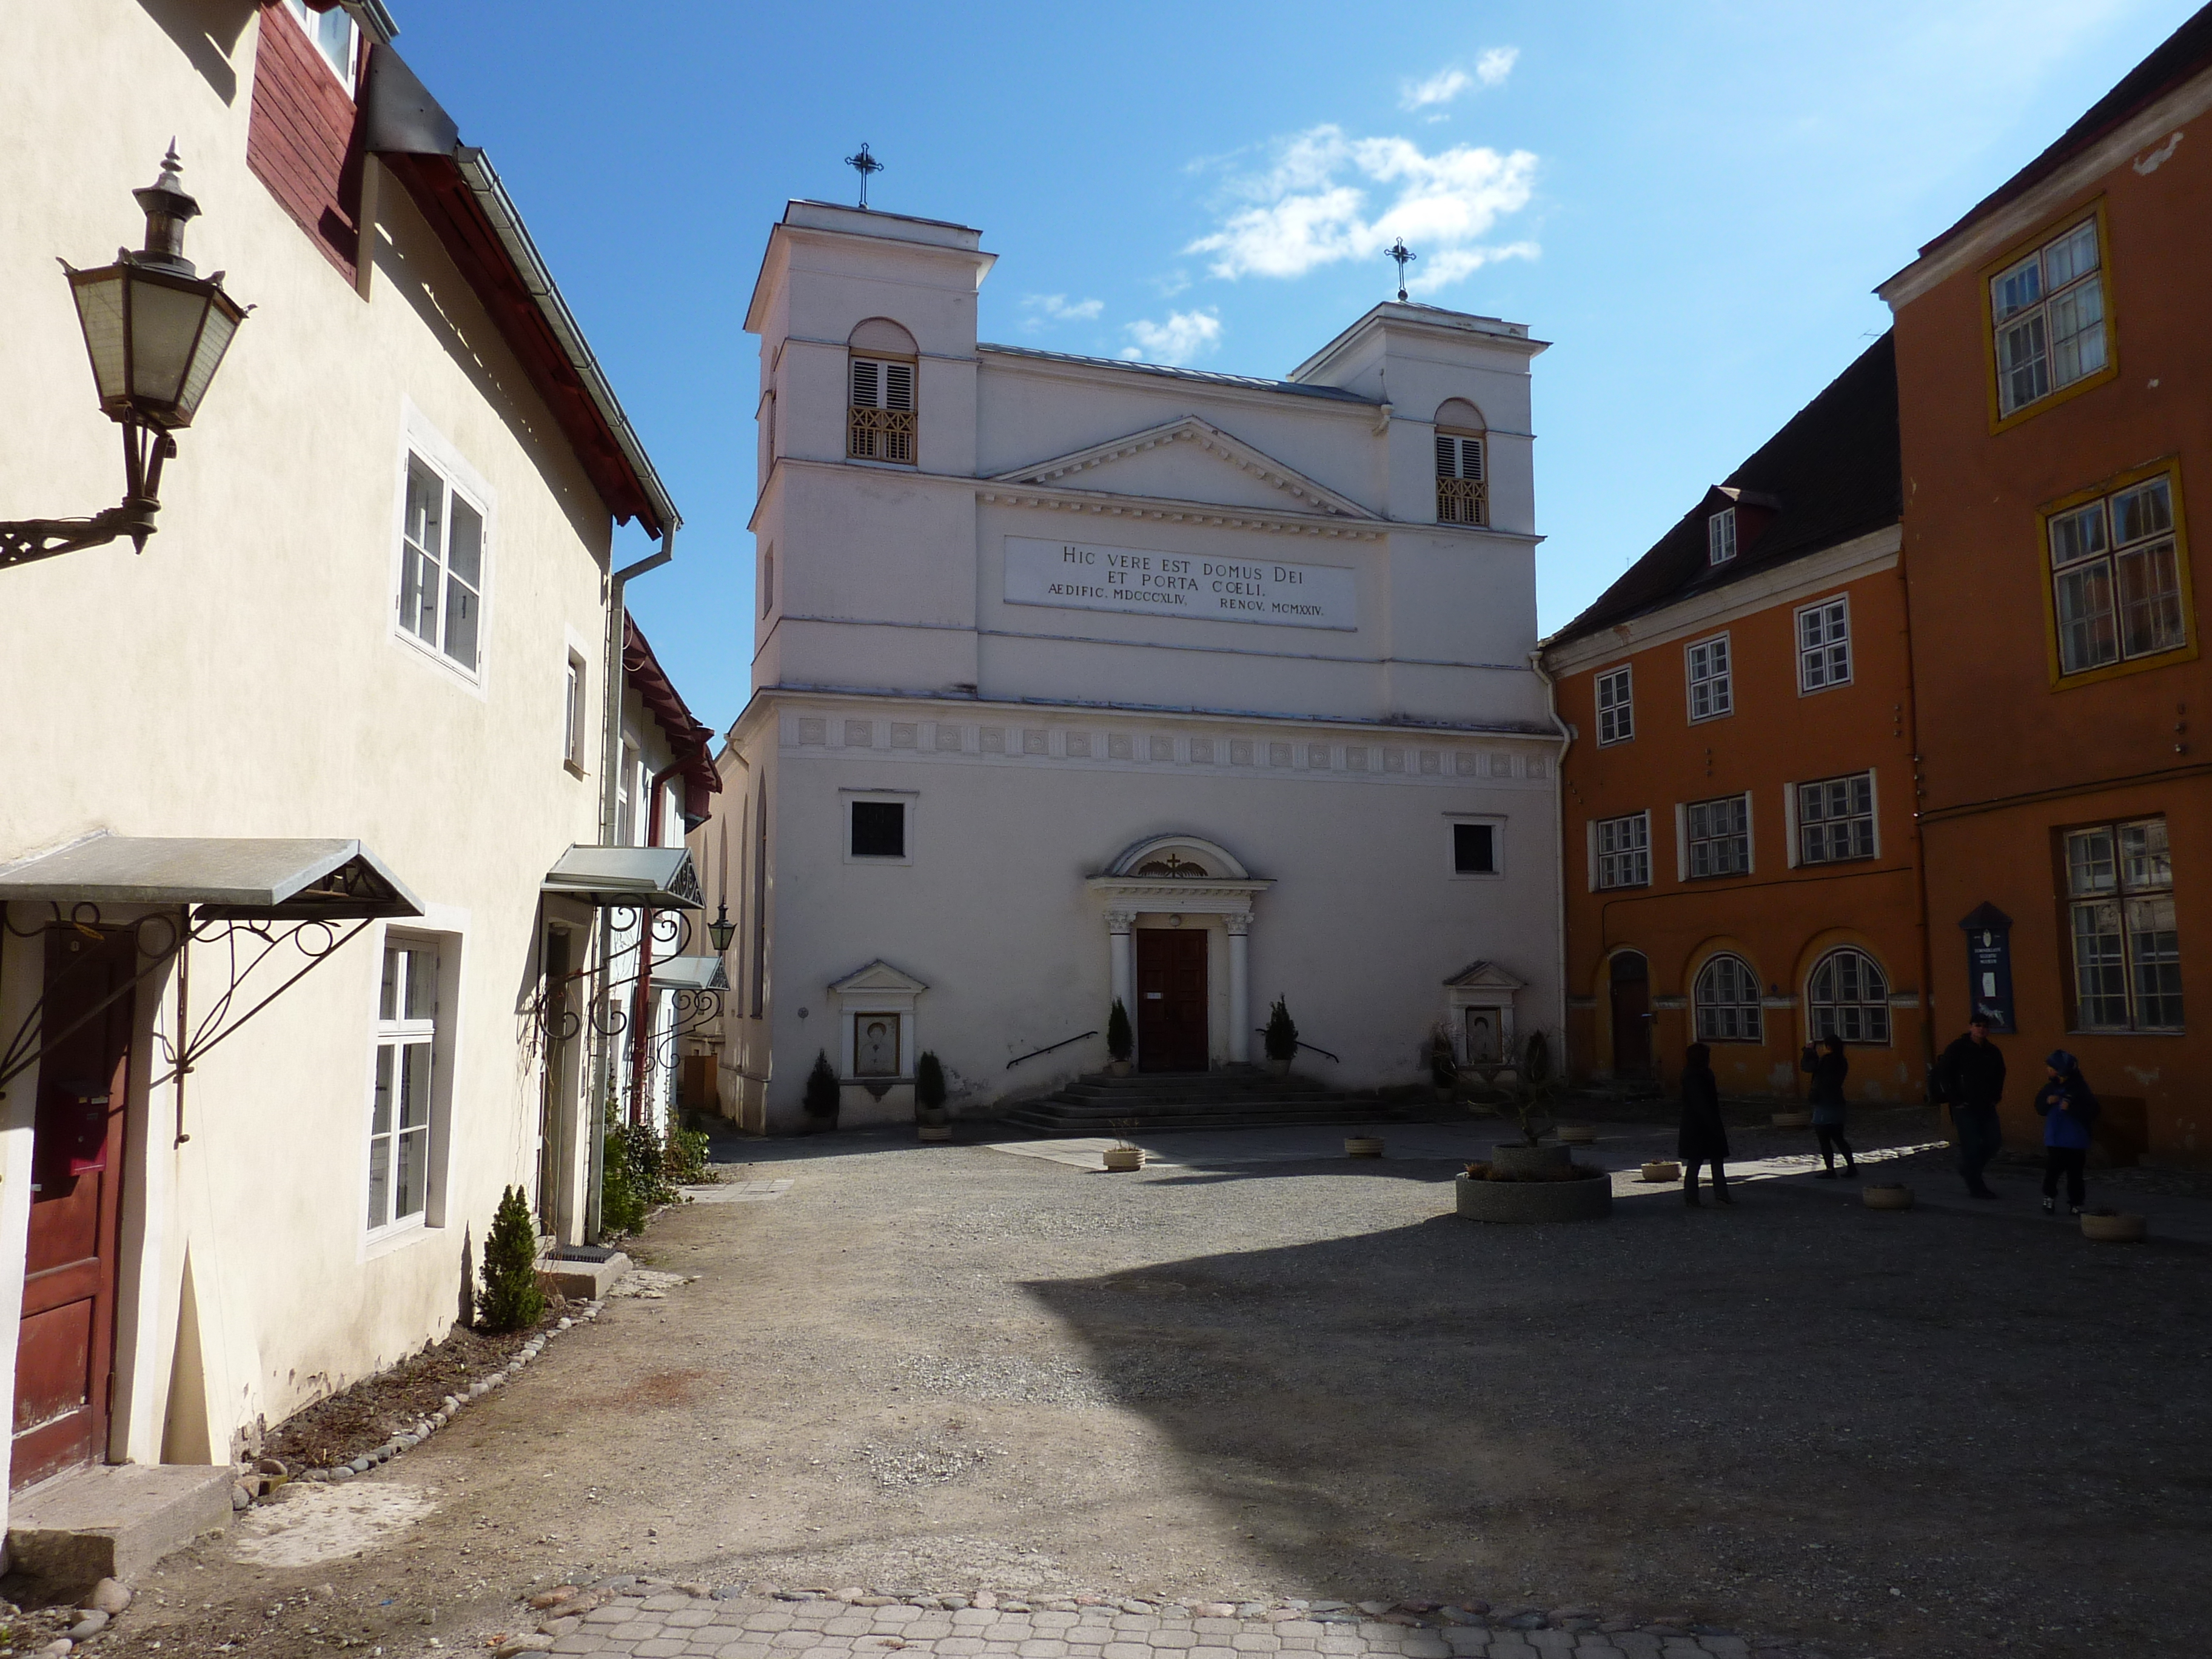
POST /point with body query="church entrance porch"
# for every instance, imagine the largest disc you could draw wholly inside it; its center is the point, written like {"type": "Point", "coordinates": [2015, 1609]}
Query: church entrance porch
{"type": "Point", "coordinates": [1171, 999]}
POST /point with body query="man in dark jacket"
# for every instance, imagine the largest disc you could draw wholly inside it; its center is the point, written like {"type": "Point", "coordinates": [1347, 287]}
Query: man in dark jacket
{"type": "Point", "coordinates": [1970, 1076]}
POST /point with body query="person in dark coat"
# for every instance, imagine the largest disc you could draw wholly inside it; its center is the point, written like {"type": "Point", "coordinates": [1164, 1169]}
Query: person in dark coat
{"type": "Point", "coordinates": [1970, 1076]}
{"type": "Point", "coordinates": [1825, 1060]}
{"type": "Point", "coordinates": [2068, 1107]}
{"type": "Point", "coordinates": [1703, 1138]}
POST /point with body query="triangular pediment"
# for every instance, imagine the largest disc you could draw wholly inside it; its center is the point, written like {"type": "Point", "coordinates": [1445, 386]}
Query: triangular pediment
{"type": "Point", "coordinates": [1485, 976]}
{"type": "Point", "coordinates": [1188, 460]}
{"type": "Point", "coordinates": [879, 975]}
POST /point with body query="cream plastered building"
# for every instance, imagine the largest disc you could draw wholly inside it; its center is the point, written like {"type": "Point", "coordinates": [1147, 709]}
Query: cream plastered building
{"type": "Point", "coordinates": [1079, 679]}
{"type": "Point", "coordinates": [345, 721]}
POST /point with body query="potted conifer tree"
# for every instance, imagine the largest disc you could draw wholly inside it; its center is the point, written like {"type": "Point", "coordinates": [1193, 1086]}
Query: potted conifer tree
{"type": "Point", "coordinates": [1281, 1038]}
{"type": "Point", "coordinates": [821, 1095]}
{"type": "Point", "coordinates": [929, 1098]}
{"type": "Point", "coordinates": [1121, 1042]}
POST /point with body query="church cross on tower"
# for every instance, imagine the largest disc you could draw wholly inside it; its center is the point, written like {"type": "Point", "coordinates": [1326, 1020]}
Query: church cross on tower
{"type": "Point", "coordinates": [864, 165]}
{"type": "Point", "coordinates": [1397, 251]}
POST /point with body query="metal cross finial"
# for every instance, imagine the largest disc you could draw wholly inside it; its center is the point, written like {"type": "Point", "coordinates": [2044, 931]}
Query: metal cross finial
{"type": "Point", "coordinates": [1401, 253]}
{"type": "Point", "coordinates": [864, 164]}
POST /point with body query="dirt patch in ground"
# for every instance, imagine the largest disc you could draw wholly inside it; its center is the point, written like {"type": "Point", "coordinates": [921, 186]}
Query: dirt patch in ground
{"type": "Point", "coordinates": [377, 1407]}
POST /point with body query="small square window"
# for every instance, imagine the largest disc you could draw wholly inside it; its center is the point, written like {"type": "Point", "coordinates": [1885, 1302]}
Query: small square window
{"type": "Point", "coordinates": [878, 830]}
{"type": "Point", "coordinates": [1474, 849]}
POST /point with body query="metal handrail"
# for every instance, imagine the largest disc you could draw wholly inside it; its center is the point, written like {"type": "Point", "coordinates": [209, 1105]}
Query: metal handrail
{"type": "Point", "coordinates": [1261, 1030]}
{"type": "Point", "coordinates": [1062, 1044]}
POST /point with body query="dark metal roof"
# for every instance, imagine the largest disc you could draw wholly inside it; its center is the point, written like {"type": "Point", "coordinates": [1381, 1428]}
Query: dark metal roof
{"type": "Point", "coordinates": [2183, 55]}
{"type": "Point", "coordinates": [1203, 376]}
{"type": "Point", "coordinates": [228, 876]}
{"type": "Point", "coordinates": [1828, 476]}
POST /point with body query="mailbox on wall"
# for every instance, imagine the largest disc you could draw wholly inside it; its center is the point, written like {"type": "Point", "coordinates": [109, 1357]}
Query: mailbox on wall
{"type": "Point", "coordinates": [1989, 966]}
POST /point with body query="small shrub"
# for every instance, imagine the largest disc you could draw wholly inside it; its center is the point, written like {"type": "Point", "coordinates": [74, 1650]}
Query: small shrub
{"type": "Point", "coordinates": [686, 1158]}
{"type": "Point", "coordinates": [621, 1209]}
{"type": "Point", "coordinates": [648, 1164]}
{"type": "Point", "coordinates": [929, 1084]}
{"type": "Point", "coordinates": [1444, 1066]}
{"type": "Point", "coordinates": [1121, 1042]}
{"type": "Point", "coordinates": [1282, 1038]}
{"type": "Point", "coordinates": [821, 1099]}
{"type": "Point", "coordinates": [510, 1299]}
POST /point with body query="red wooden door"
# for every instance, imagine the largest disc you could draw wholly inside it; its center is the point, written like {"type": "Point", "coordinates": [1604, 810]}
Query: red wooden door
{"type": "Point", "coordinates": [1170, 1000]}
{"type": "Point", "coordinates": [66, 1351]}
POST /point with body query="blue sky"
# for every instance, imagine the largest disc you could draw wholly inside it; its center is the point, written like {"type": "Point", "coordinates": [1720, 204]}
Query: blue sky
{"type": "Point", "coordinates": [1692, 201]}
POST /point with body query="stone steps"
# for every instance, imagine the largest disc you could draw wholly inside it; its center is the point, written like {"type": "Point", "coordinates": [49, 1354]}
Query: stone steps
{"type": "Point", "coordinates": [1100, 1104]}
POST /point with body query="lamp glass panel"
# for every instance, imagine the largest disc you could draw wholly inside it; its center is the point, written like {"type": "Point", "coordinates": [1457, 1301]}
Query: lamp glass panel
{"type": "Point", "coordinates": [98, 295]}
{"type": "Point", "coordinates": [165, 322]}
{"type": "Point", "coordinates": [215, 341]}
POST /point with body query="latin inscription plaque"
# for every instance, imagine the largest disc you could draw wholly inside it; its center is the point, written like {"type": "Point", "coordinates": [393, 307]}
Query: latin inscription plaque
{"type": "Point", "coordinates": [1201, 588]}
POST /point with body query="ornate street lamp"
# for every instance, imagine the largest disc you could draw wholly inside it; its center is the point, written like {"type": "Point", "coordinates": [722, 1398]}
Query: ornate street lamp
{"type": "Point", "coordinates": [722, 930]}
{"type": "Point", "coordinates": [156, 332]}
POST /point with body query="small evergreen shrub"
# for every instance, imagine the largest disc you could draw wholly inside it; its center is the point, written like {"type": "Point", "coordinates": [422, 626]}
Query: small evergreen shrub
{"type": "Point", "coordinates": [821, 1099]}
{"type": "Point", "coordinates": [1282, 1038]}
{"type": "Point", "coordinates": [621, 1209]}
{"type": "Point", "coordinates": [929, 1084]}
{"type": "Point", "coordinates": [686, 1158]}
{"type": "Point", "coordinates": [510, 1299]}
{"type": "Point", "coordinates": [1121, 1042]}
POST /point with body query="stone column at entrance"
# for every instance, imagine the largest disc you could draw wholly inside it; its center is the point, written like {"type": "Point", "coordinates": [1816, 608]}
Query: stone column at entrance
{"type": "Point", "coordinates": [1240, 988]}
{"type": "Point", "coordinates": [1118, 924]}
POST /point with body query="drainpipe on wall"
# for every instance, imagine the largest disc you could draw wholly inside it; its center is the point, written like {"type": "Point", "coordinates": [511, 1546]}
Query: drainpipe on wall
{"type": "Point", "coordinates": [1919, 838]}
{"type": "Point", "coordinates": [610, 783]}
{"type": "Point", "coordinates": [1558, 832]}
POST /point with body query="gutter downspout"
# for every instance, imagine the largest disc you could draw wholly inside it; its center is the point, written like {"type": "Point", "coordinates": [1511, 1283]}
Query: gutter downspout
{"type": "Point", "coordinates": [1919, 834]}
{"type": "Point", "coordinates": [1558, 832]}
{"type": "Point", "coordinates": [641, 1034]}
{"type": "Point", "coordinates": [595, 1162]}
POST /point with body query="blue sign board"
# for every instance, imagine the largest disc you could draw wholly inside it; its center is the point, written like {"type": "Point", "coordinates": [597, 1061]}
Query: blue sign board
{"type": "Point", "coordinates": [1989, 966]}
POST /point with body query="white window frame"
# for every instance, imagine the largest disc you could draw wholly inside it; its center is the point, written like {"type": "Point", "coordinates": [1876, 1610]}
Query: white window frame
{"type": "Point", "coordinates": [1691, 841]}
{"type": "Point", "coordinates": [1718, 683]}
{"type": "Point", "coordinates": [2131, 893]}
{"type": "Point", "coordinates": [1793, 802]}
{"type": "Point", "coordinates": [1720, 536]}
{"type": "Point", "coordinates": [1752, 1012]}
{"type": "Point", "coordinates": [2107, 562]}
{"type": "Point", "coordinates": [396, 1031]}
{"type": "Point", "coordinates": [628, 795]}
{"type": "Point", "coordinates": [848, 798]}
{"type": "Point", "coordinates": [2076, 289]}
{"type": "Point", "coordinates": [1873, 1008]}
{"type": "Point", "coordinates": [1616, 721]}
{"type": "Point", "coordinates": [1497, 826]}
{"type": "Point", "coordinates": [1817, 659]}
{"type": "Point", "coordinates": [1637, 853]}
{"type": "Point", "coordinates": [312, 23]}
{"type": "Point", "coordinates": [575, 712]}
{"type": "Point", "coordinates": [421, 443]}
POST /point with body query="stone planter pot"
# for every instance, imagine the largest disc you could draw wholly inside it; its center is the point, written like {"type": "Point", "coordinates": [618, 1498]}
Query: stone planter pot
{"type": "Point", "coordinates": [1119, 1067]}
{"type": "Point", "coordinates": [1886, 1195]}
{"type": "Point", "coordinates": [1578, 1134]}
{"type": "Point", "coordinates": [1279, 1068]}
{"type": "Point", "coordinates": [1518, 1158]}
{"type": "Point", "coordinates": [1363, 1146]}
{"type": "Point", "coordinates": [1123, 1158]}
{"type": "Point", "coordinates": [2111, 1227]}
{"type": "Point", "coordinates": [1661, 1171]}
{"type": "Point", "coordinates": [935, 1131]}
{"type": "Point", "coordinates": [1792, 1120]}
{"type": "Point", "coordinates": [1588, 1198]}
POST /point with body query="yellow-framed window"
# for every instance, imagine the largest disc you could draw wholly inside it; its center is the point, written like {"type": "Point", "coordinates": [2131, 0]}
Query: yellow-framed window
{"type": "Point", "coordinates": [2049, 313]}
{"type": "Point", "coordinates": [2117, 573]}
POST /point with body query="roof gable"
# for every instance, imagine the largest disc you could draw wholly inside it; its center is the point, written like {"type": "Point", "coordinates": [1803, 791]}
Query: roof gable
{"type": "Point", "coordinates": [879, 975]}
{"type": "Point", "coordinates": [1190, 459]}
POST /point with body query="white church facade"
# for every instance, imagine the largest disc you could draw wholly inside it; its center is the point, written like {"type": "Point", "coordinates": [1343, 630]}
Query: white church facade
{"type": "Point", "coordinates": [1079, 679]}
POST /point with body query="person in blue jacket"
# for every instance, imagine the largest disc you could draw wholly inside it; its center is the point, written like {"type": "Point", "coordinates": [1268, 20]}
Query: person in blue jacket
{"type": "Point", "coordinates": [2068, 1107]}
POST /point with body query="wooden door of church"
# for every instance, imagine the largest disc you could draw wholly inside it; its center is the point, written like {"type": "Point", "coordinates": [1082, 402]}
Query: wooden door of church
{"type": "Point", "coordinates": [65, 1350]}
{"type": "Point", "coordinates": [1170, 1000]}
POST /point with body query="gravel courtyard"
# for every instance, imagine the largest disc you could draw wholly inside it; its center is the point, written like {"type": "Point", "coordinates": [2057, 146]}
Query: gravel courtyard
{"type": "Point", "coordinates": [1260, 1374]}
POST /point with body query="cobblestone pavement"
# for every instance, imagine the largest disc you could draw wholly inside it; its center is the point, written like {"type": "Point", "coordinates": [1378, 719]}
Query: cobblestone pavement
{"type": "Point", "coordinates": [654, 1620]}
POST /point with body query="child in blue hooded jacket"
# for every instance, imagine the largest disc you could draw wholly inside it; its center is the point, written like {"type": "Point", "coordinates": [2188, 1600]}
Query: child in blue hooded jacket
{"type": "Point", "coordinates": [2068, 1107]}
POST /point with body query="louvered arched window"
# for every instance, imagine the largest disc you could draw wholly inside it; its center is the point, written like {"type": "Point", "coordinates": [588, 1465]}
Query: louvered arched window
{"type": "Point", "coordinates": [880, 380]}
{"type": "Point", "coordinates": [1463, 480]}
{"type": "Point", "coordinates": [1728, 1001]}
{"type": "Point", "coordinates": [1849, 998]}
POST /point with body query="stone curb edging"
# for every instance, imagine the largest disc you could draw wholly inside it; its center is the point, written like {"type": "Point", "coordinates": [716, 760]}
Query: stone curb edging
{"type": "Point", "coordinates": [558, 1612]}
{"type": "Point", "coordinates": [262, 1477]}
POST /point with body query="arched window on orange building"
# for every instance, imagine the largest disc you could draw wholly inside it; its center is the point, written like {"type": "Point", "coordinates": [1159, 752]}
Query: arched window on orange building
{"type": "Point", "coordinates": [1727, 997]}
{"type": "Point", "coordinates": [1848, 996]}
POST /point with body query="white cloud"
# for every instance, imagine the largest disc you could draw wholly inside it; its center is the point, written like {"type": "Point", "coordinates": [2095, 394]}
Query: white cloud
{"type": "Point", "coordinates": [1496, 64]}
{"type": "Point", "coordinates": [1439, 88]}
{"type": "Point", "coordinates": [1185, 335]}
{"type": "Point", "coordinates": [1057, 308]}
{"type": "Point", "coordinates": [1311, 208]}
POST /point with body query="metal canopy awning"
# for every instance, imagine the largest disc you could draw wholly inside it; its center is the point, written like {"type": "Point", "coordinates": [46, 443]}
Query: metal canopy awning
{"type": "Point", "coordinates": [626, 878]}
{"type": "Point", "coordinates": [690, 974]}
{"type": "Point", "coordinates": [229, 878]}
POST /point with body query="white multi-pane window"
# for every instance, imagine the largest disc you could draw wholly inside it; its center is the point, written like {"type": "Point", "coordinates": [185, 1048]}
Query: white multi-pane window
{"type": "Point", "coordinates": [880, 424]}
{"type": "Point", "coordinates": [1623, 846]}
{"type": "Point", "coordinates": [626, 795]}
{"type": "Point", "coordinates": [335, 36]}
{"type": "Point", "coordinates": [1463, 490]}
{"type": "Point", "coordinates": [1720, 536]}
{"type": "Point", "coordinates": [441, 566]}
{"type": "Point", "coordinates": [1824, 644]}
{"type": "Point", "coordinates": [1716, 836]}
{"type": "Point", "coordinates": [1726, 996]}
{"type": "Point", "coordinates": [575, 719]}
{"type": "Point", "coordinates": [1616, 706]}
{"type": "Point", "coordinates": [1835, 819]}
{"type": "Point", "coordinates": [1849, 998]}
{"type": "Point", "coordinates": [2048, 312]}
{"type": "Point", "coordinates": [2115, 578]}
{"type": "Point", "coordinates": [2127, 955]}
{"type": "Point", "coordinates": [399, 1113]}
{"type": "Point", "coordinates": [1706, 665]}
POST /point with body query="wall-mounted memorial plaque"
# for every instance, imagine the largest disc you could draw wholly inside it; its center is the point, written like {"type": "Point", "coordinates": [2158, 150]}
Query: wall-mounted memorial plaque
{"type": "Point", "coordinates": [1203, 587]}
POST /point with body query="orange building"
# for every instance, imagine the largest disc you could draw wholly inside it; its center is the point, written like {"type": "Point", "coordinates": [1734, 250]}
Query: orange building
{"type": "Point", "coordinates": [1738, 793]}
{"type": "Point", "coordinates": [2054, 363]}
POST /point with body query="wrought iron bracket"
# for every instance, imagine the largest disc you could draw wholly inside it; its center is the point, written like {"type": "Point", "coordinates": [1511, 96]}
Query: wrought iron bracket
{"type": "Point", "coordinates": [556, 1015]}
{"type": "Point", "coordinates": [26, 541]}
